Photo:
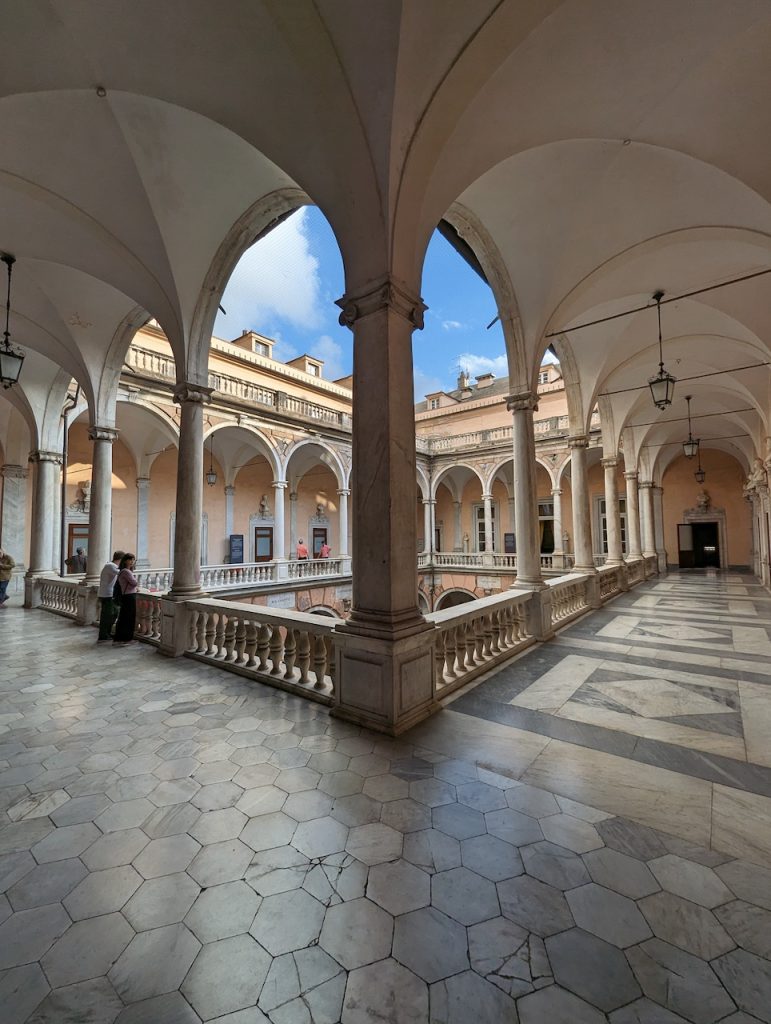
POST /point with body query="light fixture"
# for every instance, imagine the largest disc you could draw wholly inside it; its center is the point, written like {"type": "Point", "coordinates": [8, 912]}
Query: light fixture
{"type": "Point", "coordinates": [700, 474]}
{"type": "Point", "coordinates": [663, 384]}
{"type": "Point", "coordinates": [211, 476]}
{"type": "Point", "coordinates": [10, 360]}
{"type": "Point", "coordinates": [691, 446]}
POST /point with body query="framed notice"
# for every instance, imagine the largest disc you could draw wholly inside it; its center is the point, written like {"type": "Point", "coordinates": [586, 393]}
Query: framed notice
{"type": "Point", "coordinates": [236, 548]}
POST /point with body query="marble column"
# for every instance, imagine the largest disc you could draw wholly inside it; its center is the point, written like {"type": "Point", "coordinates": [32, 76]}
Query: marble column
{"type": "Point", "coordinates": [13, 514]}
{"type": "Point", "coordinates": [342, 530]}
{"type": "Point", "coordinates": [658, 529]}
{"type": "Point", "coordinates": [44, 526]}
{"type": "Point", "coordinates": [385, 649]}
{"type": "Point", "coordinates": [487, 555]}
{"type": "Point", "coordinates": [230, 493]}
{"type": "Point", "coordinates": [457, 526]}
{"type": "Point", "coordinates": [612, 513]}
{"type": "Point", "coordinates": [558, 555]}
{"type": "Point", "coordinates": [428, 542]}
{"type": "Point", "coordinates": [143, 518]}
{"type": "Point", "coordinates": [187, 534]}
{"type": "Point", "coordinates": [522, 407]}
{"type": "Point", "coordinates": [293, 538]}
{"type": "Point", "coordinates": [582, 521]}
{"type": "Point", "coordinates": [279, 541]}
{"type": "Point", "coordinates": [100, 509]}
{"type": "Point", "coordinates": [634, 544]}
{"type": "Point", "coordinates": [646, 518]}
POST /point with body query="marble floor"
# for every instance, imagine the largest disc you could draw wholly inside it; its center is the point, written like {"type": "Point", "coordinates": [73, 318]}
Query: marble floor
{"type": "Point", "coordinates": [178, 845]}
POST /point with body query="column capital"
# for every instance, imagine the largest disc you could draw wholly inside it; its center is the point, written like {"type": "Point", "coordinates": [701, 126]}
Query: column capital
{"type": "Point", "coordinates": [280, 485]}
{"type": "Point", "coordinates": [143, 482]}
{"type": "Point", "coordinates": [487, 497]}
{"type": "Point", "coordinates": [430, 501]}
{"type": "Point", "coordinates": [97, 433]}
{"type": "Point", "coordinates": [630, 474]}
{"type": "Point", "coordinates": [344, 492]}
{"type": "Point", "coordinates": [384, 294]}
{"type": "Point", "coordinates": [525, 401]}
{"type": "Point", "coordinates": [556, 491]}
{"type": "Point", "coordinates": [230, 489]}
{"type": "Point", "coordinates": [579, 441]}
{"type": "Point", "coordinates": [42, 456]}
{"type": "Point", "coordinates": [11, 472]}
{"type": "Point", "coordinates": [610, 462]}
{"type": "Point", "coordinates": [196, 393]}
{"type": "Point", "coordinates": [646, 484]}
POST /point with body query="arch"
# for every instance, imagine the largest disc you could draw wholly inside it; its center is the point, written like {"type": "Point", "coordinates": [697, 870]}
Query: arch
{"type": "Point", "coordinates": [424, 485]}
{"type": "Point", "coordinates": [324, 610]}
{"type": "Point", "coordinates": [329, 457]}
{"type": "Point", "coordinates": [469, 469]}
{"type": "Point", "coordinates": [453, 597]}
{"type": "Point", "coordinates": [241, 236]}
{"type": "Point", "coordinates": [260, 441]}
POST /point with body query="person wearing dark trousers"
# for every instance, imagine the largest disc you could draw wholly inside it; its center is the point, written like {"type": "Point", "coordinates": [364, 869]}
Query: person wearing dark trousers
{"type": "Point", "coordinates": [108, 609]}
{"type": "Point", "coordinates": [127, 617]}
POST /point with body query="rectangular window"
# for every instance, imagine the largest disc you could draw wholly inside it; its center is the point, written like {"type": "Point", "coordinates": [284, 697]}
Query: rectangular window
{"type": "Point", "coordinates": [319, 539]}
{"type": "Point", "coordinates": [263, 543]}
{"type": "Point", "coordinates": [433, 403]}
{"type": "Point", "coordinates": [543, 377]}
{"type": "Point", "coordinates": [546, 526]}
{"type": "Point", "coordinates": [603, 524]}
{"type": "Point", "coordinates": [479, 517]}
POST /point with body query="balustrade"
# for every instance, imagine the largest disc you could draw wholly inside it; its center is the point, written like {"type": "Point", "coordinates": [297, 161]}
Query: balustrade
{"type": "Point", "coordinates": [610, 582]}
{"type": "Point", "coordinates": [473, 637]}
{"type": "Point", "coordinates": [291, 650]}
{"type": "Point", "coordinates": [568, 597]}
{"type": "Point", "coordinates": [312, 567]}
{"type": "Point", "coordinates": [148, 625]}
{"type": "Point", "coordinates": [59, 595]}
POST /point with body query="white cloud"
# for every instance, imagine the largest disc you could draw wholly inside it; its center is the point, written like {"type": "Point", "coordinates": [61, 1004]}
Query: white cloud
{"type": "Point", "coordinates": [425, 384]}
{"type": "Point", "coordinates": [277, 277]}
{"type": "Point", "coordinates": [477, 365]}
{"type": "Point", "coordinates": [452, 325]}
{"type": "Point", "coordinates": [335, 362]}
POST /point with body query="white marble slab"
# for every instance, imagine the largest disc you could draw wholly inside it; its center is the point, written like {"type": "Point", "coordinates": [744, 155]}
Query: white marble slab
{"type": "Point", "coordinates": [741, 824]}
{"type": "Point", "coordinates": [756, 718]}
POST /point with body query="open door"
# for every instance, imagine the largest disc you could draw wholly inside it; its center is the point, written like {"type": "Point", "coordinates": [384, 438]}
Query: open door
{"type": "Point", "coordinates": [685, 545]}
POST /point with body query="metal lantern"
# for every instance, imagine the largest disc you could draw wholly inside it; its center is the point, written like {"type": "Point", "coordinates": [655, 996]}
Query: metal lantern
{"type": "Point", "coordinates": [691, 446]}
{"type": "Point", "coordinates": [10, 359]}
{"type": "Point", "coordinates": [700, 474]}
{"type": "Point", "coordinates": [663, 384]}
{"type": "Point", "coordinates": [211, 476]}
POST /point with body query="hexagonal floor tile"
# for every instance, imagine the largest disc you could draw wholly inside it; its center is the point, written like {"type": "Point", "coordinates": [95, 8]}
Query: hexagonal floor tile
{"type": "Point", "coordinates": [268, 830]}
{"type": "Point", "coordinates": [357, 933]}
{"type": "Point", "coordinates": [154, 962]}
{"type": "Point", "coordinates": [534, 905]}
{"type": "Point", "coordinates": [431, 944]}
{"type": "Point", "coordinates": [320, 837]}
{"type": "Point", "coordinates": [161, 901]}
{"type": "Point", "coordinates": [227, 976]}
{"type": "Point", "coordinates": [608, 915]}
{"type": "Point", "coordinates": [554, 865]}
{"type": "Point", "coordinates": [87, 950]}
{"type": "Point", "coordinates": [374, 844]}
{"type": "Point", "coordinates": [223, 911]}
{"type": "Point", "coordinates": [288, 921]}
{"type": "Point", "coordinates": [262, 800]}
{"type": "Point", "coordinates": [217, 826]}
{"type": "Point", "coordinates": [459, 821]}
{"type": "Point", "coordinates": [468, 997]}
{"type": "Point", "coordinates": [399, 887]}
{"type": "Point", "coordinates": [491, 857]}
{"type": "Point", "coordinates": [464, 896]}
{"type": "Point", "coordinates": [308, 804]}
{"type": "Point", "coordinates": [592, 969]}
{"type": "Point", "coordinates": [620, 872]}
{"type": "Point", "coordinates": [513, 827]}
{"type": "Point", "coordinates": [385, 988]}
{"type": "Point", "coordinates": [25, 937]}
{"type": "Point", "coordinates": [220, 862]}
{"type": "Point", "coordinates": [166, 856]}
{"type": "Point", "coordinates": [102, 892]}
{"type": "Point", "coordinates": [48, 883]}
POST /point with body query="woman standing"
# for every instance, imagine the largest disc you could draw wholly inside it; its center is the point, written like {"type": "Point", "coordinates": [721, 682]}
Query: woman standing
{"type": "Point", "coordinates": [127, 582]}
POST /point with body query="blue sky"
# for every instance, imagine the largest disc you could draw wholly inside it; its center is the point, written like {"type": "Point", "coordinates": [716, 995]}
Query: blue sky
{"type": "Point", "coordinates": [286, 286]}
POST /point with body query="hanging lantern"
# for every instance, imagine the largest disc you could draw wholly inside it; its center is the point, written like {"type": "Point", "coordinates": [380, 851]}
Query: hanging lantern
{"type": "Point", "coordinates": [211, 476]}
{"type": "Point", "coordinates": [11, 360]}
{"type": "Point", "coordinates": [663, 384]}
{"type": "Point", "coordinates": [691, 446]}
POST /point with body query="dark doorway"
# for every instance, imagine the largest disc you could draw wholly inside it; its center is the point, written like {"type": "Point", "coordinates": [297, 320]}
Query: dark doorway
{"type": "Point", "coordinates": [263, 543]}
{"type": "Point", "coordinates": [706, 546]}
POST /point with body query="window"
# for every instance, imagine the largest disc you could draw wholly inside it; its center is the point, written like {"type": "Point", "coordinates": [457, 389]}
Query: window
{"type": "Point", "coordinates": [263, 543]}
{"type": "Point", "coordinates": [433, 403]}
{"type": "Point", "coordinates": [479, 518]}
{"type": "Point", "coordinates": [313, 370]}
{"type": "Point", "coordinates": [543, 377]}
{"type": "Point", "coordinates": [603, 524]}
{"type": "Point", "coordinates": [260, 349]}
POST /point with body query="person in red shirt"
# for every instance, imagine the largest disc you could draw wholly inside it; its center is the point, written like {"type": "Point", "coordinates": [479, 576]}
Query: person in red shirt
{"type": "Point", "coordinates": [302, 551]}
{"type": "Point", "coordinates": [326, 550]}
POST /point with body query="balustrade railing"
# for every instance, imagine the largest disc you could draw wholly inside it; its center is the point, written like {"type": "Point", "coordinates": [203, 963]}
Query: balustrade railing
{"type": "Point", "coordinates": [651, 565]}
{"type": "Point", "coordinates": [148, 624]}
{"type": "Point", "coordinates": [610, 581]}
{"type": "Point", "coordinates": [569, 597]}
{"type": "Point", "coordinates": [60, 595]}
{"type": "Point", "coordinates": [472, 638]}
{"type": "Point", "coordinates": [247, 574]}
{"type": "Point", "coordinates": [314, 567]}
{"type": "Point", "coordinates": [635, 571]}
{"type": "Point", "coordinates": [224, 577]}
{"type": "Point", "coordinates": [291, 650]}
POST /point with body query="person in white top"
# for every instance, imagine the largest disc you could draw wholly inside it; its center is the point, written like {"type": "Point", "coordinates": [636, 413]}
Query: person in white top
{"type": "Point", "coordinates": [108, 609]}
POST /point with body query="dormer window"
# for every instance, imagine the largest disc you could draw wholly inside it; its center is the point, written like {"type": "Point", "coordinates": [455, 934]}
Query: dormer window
{"type": "Point", "coordinates": [433, 403]}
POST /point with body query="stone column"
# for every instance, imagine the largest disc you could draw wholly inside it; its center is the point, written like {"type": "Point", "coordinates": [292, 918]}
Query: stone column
{"type": "Point", "coordinates": [230, 493]}
{"type": "Point", "coordinates": [612, 513]}
{"type": "Point", "coordinates": [428, 542]}
{"type": "Point", "coordinates": [658, 529]}
{"type": "Point", "coordinates": [13, 513]}
{"type": "Point", "coordinates": [143, 517]}
{"type": "Point", "coordinates": [458, 526]}
{"type": "Point", "coordinates": [279, 520]}
{"type": "Point", "coordinates": [632, 517]}
{"type": "Point", "coordinates": [488, 552]}
{"type": "Point", "coordinates": [293, 538]}
{"type": "Point", "coordinates": [187, 534]}
{"type": "Point", "coordinates": [646, 518]}
{"type": "Point", "coordinates": [582, 522]}
{"type": "Point", "coordinates": [100, 509]}
{"type": "Point", "coordinates": [44, 525]}
{"type": "Point", "coordinates": [522, 407]}
{"type": "Point", "coordinates": [342, 540]}
{"type": "Point", "coordinates": [385, 676]}
{"type": "Point", "coordinates": [558, 555]}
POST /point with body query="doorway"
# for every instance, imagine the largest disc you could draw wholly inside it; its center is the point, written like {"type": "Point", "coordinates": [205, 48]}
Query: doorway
{"type": "Point", "coordinates": [263, 543]}
{"type": "Point", "coordinates": [319, 539]}
{"type": "Point", "coordinates": [706, 546]}
{"type": "Point", "coordinates": [77, 537]}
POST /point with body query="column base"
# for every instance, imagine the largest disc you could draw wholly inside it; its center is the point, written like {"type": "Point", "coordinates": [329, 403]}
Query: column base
{"type": "Point", "coordinates": [385, 626]}
{"type": "Point", "coordinates": [384, 684]}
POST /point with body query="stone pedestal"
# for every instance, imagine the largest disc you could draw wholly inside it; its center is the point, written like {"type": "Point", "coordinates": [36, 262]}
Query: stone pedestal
{"type": "Point", "coordinates": [387, 685]}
